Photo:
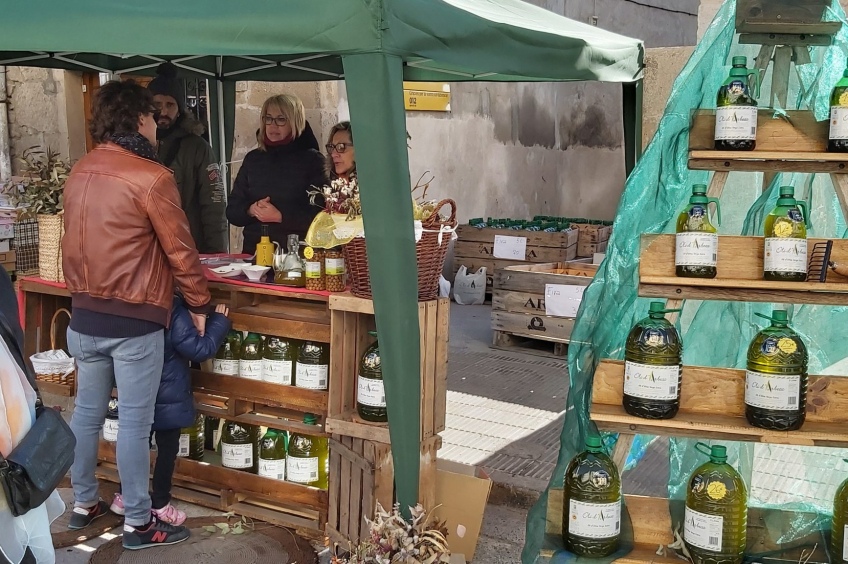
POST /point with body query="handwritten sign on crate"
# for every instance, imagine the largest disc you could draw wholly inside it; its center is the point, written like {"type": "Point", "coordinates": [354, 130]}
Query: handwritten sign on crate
{"type": "Point", "coordinates": [563, 300]}
{"type": "Point", "coordinates": [510, 248]}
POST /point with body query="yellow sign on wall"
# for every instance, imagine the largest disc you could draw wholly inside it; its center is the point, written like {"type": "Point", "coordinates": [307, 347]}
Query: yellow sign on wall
{"type": "Point", "coordinates": [426, 96]}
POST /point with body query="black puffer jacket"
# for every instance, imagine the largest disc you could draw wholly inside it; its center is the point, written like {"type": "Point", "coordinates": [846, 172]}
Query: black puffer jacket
{"type": "Point", "coordinates": [284, 173]}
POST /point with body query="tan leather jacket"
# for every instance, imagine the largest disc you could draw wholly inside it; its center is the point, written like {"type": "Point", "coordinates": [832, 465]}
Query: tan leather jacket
{"type": "Point", "coordinates": [127, 238]}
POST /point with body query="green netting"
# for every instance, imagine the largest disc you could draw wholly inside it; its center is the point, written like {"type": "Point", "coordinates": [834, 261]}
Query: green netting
{"type": "Point", "coordinates": [800, 479]}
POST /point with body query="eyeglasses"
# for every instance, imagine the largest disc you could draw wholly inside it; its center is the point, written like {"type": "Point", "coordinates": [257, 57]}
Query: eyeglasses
{"type": "Point", "coordinates": [338, 147]}
{"type": "Point", "coordinates": [280, 121]}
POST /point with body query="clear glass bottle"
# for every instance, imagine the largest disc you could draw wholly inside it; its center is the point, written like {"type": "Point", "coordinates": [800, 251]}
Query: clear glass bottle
{"type": "Point", "coordinates": [292, 271]}
{"type": "Point", "coordinates": [192, 439]}
{"type": "Point", "coordinates": [250, 361]}
{"type": "Point", "coordinates": [839, 525]}
{"type": "Point", "coordinates": [696, 252]}
{"type": "Point", "coordinates": [272, 455]}
{"type": "Point", "coordinates": [240, 446]}
{"type": "Point", "coordinates": [226, 360]}
{"type": "Point", "coordinates": [736, 110]}
{"type": "Point", "coordinates": [110, 425]}
{"type": "Point", "coordinates": [785, 253]}
{"type": "Point", "coordinates": [371, 394]}
{"type": "Point", "coordinates": [278, 360]}
{"type": "Point", "coordinates": [308, 457]}
{"type": "Point", "coordinates": [313, 366]}
{"type": "Point", "coordinates": [838, 136]}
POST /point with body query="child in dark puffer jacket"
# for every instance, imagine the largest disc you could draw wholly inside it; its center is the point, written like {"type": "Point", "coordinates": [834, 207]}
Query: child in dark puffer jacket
{"type": "Point", "coordinates": [175, 402]}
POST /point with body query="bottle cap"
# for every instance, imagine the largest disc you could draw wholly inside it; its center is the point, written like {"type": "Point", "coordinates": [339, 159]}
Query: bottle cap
{"type": "Point", "coordinates": [718, 454]}
{"type": "Point", "coordinates": [787, 191]}
{"type": "Point", "coordinates": [740, 61]}
{"type": "Point", "coordinates": [699, 189]}
{"type": "Point", "coordinates": [780, 316]}
{"type": "Point", "coordinates": [265, 230]}
{"type": "Point", "coordinates": [657, 307]}
{"type": "Point", "coordinates": [593, 443]}
{"type": "Point", "coordinates": [310, 419]}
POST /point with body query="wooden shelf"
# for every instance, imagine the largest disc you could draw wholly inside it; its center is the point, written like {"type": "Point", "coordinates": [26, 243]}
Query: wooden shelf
{"type": "Point", "coordinates": [349, 424]}
{"type": "Point", "coordinates": [773, 161]}
{"type": "Point", "coordinates": [264, 393]}
{"type": "Point", "coordinates": [712, 406]}
{"type": "Point", "coordinates": [739, 276]}
{"type": "Point", "coordinates": [286, 319]}
{"type": "Point", "coordinates": [274, 421]}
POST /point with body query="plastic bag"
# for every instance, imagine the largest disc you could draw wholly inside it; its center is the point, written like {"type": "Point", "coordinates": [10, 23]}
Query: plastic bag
{"type": "Point", "coordinates": [469, 289]}
{"type": "Point", "coordinates": [333, 230]}
{"type": "Point", "coordinates": [444, 287]}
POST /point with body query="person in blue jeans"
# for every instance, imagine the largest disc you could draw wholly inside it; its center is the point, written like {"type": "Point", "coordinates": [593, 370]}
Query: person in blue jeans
{"type": "Point", "coordinates": [175, 402]}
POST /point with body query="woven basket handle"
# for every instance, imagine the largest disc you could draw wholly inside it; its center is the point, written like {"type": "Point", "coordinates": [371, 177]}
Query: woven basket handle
{"type": "Point", "coordinates": [435, 218]}
{"type": "Point", "coordinates": [53, 326]}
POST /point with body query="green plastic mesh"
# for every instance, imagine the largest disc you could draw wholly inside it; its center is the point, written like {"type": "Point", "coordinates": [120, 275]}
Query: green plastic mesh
{"type": "Point", "coordinates": [802, 479]}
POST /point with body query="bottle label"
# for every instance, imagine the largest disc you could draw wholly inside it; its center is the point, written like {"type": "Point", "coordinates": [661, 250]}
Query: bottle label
{"type": "Point", "coordinates": [228, 367]}
{"type": "Point", "coordinates": [312, 377]}
{"type": "Point", "coordinates": [302, 470]}
{"type": "Point", "coordinates": [772, 391]}
{"type": "Point", "coordinates": [696, 249]}
{"type": "Point", "coordinates": [236, 456]}
{"type": "Point", "coordinates": [275, 469]}
{"type": "Point", "coordinates": [594, 520]}
{"type": "Point", "coordinates": [250, 369]}
{"type": "Point", "coordinates": [110, 430]}
{"type": "Point", "coordinates": [702, 530]}
{"type": "Point", "coordinates": [784, 254]}
{"type": "Point", "coordinates": [277, 371]}
{"type": "Point", "coordinates": [313, 270]}
{"type": "Point", "coordinates": [371, 392]}
{"type": "Point", "coordinates": [838, 123]}
{"type": "Point", "coordinates": [845, 543]}
{"type": "Point", "coordinates": [334, 266]}
{"type": "Point", "coordinates": [736, 123]}
{"type": "Point", "coordinates": [185, 442]}
{"type": "Point", "coordinates": [651, 382]}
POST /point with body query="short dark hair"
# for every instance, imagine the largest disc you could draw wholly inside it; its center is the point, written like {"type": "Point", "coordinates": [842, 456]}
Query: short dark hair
{"type": "Point", "coordinates": [117, 107]}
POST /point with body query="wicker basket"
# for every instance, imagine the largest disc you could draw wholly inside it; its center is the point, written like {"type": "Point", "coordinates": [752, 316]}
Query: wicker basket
{"type": "Point", "coordinates": [430, 252]}
{"type": "Point", "coordinates": [51, 228]}
{"type": "Point", "coordinates": [55, 366]}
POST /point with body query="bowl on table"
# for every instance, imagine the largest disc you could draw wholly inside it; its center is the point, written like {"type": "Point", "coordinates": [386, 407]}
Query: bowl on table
{"type": "Point", "coordinates": [255, 272]}
{"type": "Point", "coordinates": [229, 270]}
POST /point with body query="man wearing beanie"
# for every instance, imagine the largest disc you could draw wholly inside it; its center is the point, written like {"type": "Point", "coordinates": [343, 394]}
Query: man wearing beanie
{"type": "Point", "coordinates": [191, 158]}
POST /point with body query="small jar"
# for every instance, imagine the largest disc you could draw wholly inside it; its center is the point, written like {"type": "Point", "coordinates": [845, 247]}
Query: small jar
{"type": "Point", "coordinates": [334, 269]}
{"type": "Point", "coordinates": [314, 260]}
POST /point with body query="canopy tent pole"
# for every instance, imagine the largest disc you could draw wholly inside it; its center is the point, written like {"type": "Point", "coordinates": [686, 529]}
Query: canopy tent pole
{"type": "Point", "coordinates": [375, 92]}
{"type": "Point", "coordinates": [222, 143]}
{"type": "Point", "coordinates": [632, 111]}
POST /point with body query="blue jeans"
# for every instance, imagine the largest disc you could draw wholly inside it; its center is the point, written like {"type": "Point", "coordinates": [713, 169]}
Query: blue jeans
{"type": "Point", "coordinates": [134, 366]}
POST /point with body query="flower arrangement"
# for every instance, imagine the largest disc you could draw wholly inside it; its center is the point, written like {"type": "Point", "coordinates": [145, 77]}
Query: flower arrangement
{"type": "Point", "coordinates": [40, 191]}
{"type": "Point", "coordinates": [341, 196]}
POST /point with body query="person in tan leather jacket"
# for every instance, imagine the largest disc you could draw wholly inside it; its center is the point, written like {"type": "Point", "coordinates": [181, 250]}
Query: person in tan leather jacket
{"type": "Point", "coordinates": [126, 241]}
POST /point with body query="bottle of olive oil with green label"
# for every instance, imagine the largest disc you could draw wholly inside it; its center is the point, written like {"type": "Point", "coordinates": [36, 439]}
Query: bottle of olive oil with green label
{"type": "Point", "coordinates": [736, 110]}
{"type": "Point", "coordinates": [591, 511]}
{"type": "Point", "coordinates": [839, 526]}
{"type": "Point", "coordinates": [838, 136]}
{"type": "Point", "coordinates": [272, 455]}
{"type": "Point", "coordinates": [716, 516]}
{"type": "Point", "coordinates": [192, 439]}
{"type": "Point", "coordinates": [240, 446]}
{"type": "Point", "coordinates": [653, 366]}
{"type": "Point", "coordinates": [776, 379]}
{"type": "Point", "coordinates": [308, 457]}
{"type": "Point", "coordinates": [250, 361]}
{"type": "Point", "coordinates": [785, 253]}
{"type": "Point", "coordinates": [226, 360]}
{"type": "Point", "coordinates": [370, 394]}
{"type": "Point", "coordinates": [278, 360]}
{"type": "Point", "coordinates": [696, 252]}
{"type": "Point", "coordinates": [313, 366]}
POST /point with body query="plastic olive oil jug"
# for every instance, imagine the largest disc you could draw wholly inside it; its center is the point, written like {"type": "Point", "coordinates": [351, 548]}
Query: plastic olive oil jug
{"type": "Point", "coordinates": [736, 110]}
{"type": "Point", "coordinates": [838, 136]}
{"type": "Point", "coordinates": [785, 253]}
{"type": "Point", "coordinates": [370, 394]}
{"type": "Point", "coordinates": [839, 527]}
{"type": "Point", "coordinates": [696, 250]}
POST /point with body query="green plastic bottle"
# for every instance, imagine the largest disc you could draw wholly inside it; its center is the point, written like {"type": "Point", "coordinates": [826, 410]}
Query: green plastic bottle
{"type": "Point", "coordinates": [371, 395]}
{"type": "Point", "coordinates": [272, 455]}
{"type": "Point", "coordinates": [591, 511]}
{"type": "Point", "coordinates": [839, 526]}
{"type": "Point", "coordinates": [278, 361]}
{"type": "Point", "coordinates": [736, 110]}
{"type": "Point", "coordinates": [226, 360]}
{"type": "Point", "coordinates": [308, 457]}
{"type": "Point", "coordinates": [716, 516]}
{"type": "Point", "coordinates": [192, 439]}
{"type": "Point", "coordinates": [653, 366]}
{"type": "Point", "coordinates": [838, 137]}
{"type": "Point", "coordinates": [240, 446]}
{"type": "Point", "coordinates": [313, 366]}
{"type": "Point", "coordinates": [776, 379]}
{"type": "Point", "coordinates": [250, 361]}
{"type": "Point", "coordinates": [110, 425]}
{"type": "Point", "coordinates": [696, 252]}
{"type": "Point", "coordinates": [785, 254]}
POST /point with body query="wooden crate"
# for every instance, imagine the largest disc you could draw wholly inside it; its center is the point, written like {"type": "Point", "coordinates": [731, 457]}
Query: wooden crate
{"type": "Point", "coordinates": [7, 261]}
{"type": "Point", "coordinates": [592, 238]}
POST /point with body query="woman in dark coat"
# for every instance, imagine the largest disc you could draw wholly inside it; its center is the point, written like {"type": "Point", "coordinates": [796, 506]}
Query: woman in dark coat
{"type": "Point", "coordinates": [272, 183]}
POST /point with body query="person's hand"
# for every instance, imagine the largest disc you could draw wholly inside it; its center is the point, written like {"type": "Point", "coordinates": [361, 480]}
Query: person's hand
{"type": "Point", "coordinates": [199, 321]}
{"type": "Point", "coordinates": [255, 210]}
{"type": "Point", "coordinates": [265, 211]}
{"type": "Point", "coordinates": [222, 309]}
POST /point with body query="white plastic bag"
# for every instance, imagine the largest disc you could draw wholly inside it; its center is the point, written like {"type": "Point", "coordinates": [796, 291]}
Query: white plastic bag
{"type": "Point", "coordinates": [444, 287]}
{"type": "Point", "coordinates": [469, 289]}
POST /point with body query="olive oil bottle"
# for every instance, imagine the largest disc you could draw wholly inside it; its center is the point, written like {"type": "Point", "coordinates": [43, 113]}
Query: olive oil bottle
{"type": "Point", "coordinates": [110, 425]}
{"type": "Point", "coordinates": [653, 366]}
{"type": "Point", "coordinates": [776, 379]}
{"type": "Point", "coordinates": [837, 139]}
{"type": "Point", "coordinates": [313, 366]}
{"type": "Point", "coordinates": [272, 455]}
{"type": "Point", "coordinates": [226, 360]}
{"type": "Point", "coordinates": [696, 251]}
{"type": "Point", "coordinates": [736, 111]}
{"type": "Point", "coordinates": [371, 395]}
{"type": "Point", "coordinates": [210, 433]}
{"type": "Point", "coordinates": [716, 515]}
{"type": "Point", "coordinates": [250, 361]}
{"type": "Point", "coordinates": [785, 254]}
{"type": "Point", "coordinates": [591, 503]}
{"type": "Point", "coordinates": [278, 361]}
{"type": "Point", "coordinates": [308, 457]}
{"type": "Point", "coordinates": [240, 446]}
{"type": "Point", "coordinates": [839, 526]}
{"type": "Point", "coordinates": [192, 439]}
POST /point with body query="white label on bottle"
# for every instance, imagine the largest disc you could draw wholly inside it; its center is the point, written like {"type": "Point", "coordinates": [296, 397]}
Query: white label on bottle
{"type": "Point", "coordinates": [736, 123]}
{"type": "Point", "coordinates": [302, 470]}
{"type": "Point", "coordinates": [845, 543]}
{"type": "Point", "coordinates": [702, 530]}
{"type": "Point", "coordinates": [250, 369]}
{"type": "Point", "coordinates": [371, 392]}
{"type": "Point", "coordinates": [784, 254]}
{"type": "Point", "coordinates": [772, 391]}
{"type": "Point", "coordinates": [838, 123]}
{"type": "Point", "coordinates": [236, 456]}
{"type": "Point", "coordinates": [334, 266]}
{"type": "Point", "coordinates": [313, 270]}
{"type": "Point", "coordinates": [275, 469]}
{"type": "Point", "coordinates": [311, 376]}
{"type": "Point", "coordinates": [594, 520]}
{"type": "Point", "coordinates": [277, 371]}
{"type": "Point", "coordinates": [110, 430]}
{"type": "Point", "coordinates": [696, 249]}
{"type": "Point", "coordinates": [651, 382]}
{"type": "Point", "coordinates": [185, 441]}
{"type": "Point", "coordinates": [215, 433]}
{"type": "Point", "coordinates": [228, 367]}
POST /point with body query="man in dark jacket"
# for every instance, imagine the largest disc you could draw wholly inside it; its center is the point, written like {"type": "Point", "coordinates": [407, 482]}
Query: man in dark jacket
{"type": "Point", "coordinates": [198, 175]}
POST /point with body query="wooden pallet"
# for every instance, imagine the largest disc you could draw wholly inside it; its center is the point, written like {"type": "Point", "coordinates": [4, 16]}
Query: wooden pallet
{"type": "Point", "coordinates": [510, 342]}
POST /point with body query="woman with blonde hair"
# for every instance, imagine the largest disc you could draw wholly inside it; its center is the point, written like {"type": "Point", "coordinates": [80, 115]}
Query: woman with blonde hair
{"type": "Point", "coordinates": [272, 183]}
{"type": "Point", "coordinates": [341, 158]}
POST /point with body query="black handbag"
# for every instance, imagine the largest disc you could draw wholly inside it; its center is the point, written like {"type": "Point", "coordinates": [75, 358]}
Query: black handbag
{"type": "Point", "coordinates": [39, 462]}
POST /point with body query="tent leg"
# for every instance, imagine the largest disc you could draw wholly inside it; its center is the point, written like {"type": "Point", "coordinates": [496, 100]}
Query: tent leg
{"type": "Point", "coordinates": [632, 111]}
{"type": "Point", "coordinates": [222, 143]}
{"type": "Point", "coordinates": [375, 92]}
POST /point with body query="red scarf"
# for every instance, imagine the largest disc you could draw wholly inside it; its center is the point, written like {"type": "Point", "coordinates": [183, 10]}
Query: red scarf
{"type": "Point", "coordinates": [280, 143]}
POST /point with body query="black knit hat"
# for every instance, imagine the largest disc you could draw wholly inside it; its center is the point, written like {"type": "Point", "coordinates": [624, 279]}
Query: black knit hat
{"type": "Point", "coordinates": [166, 83]}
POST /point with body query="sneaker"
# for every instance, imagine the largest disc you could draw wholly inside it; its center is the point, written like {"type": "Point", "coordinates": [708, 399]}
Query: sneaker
{"type": "Point", "coordinates": [82, 517]}
{"type": "Point", "coordinates": [155, 533]}
{"type": "Point", "coordinates": [170, 514]}
{"type": "Point", "coordinates": [117, 506]}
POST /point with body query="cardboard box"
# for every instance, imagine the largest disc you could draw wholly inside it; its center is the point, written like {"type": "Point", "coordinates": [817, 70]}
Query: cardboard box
{"type": "Point", "coordinates": [462, 492]}
{"type": "Point", "coordinates": [7, 259]}
{"type": "Point", "coordinates": [5, 245]}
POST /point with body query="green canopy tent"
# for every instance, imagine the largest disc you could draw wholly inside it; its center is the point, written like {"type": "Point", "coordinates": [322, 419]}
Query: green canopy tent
{"type": "Point", "coordinates": [371, 44]}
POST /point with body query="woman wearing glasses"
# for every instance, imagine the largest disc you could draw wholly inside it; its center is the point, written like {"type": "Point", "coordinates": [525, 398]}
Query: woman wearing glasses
{"type": "Point", "coordinates": [341, 159]}
{"type": "Point", "coordinates": [272, 183]}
